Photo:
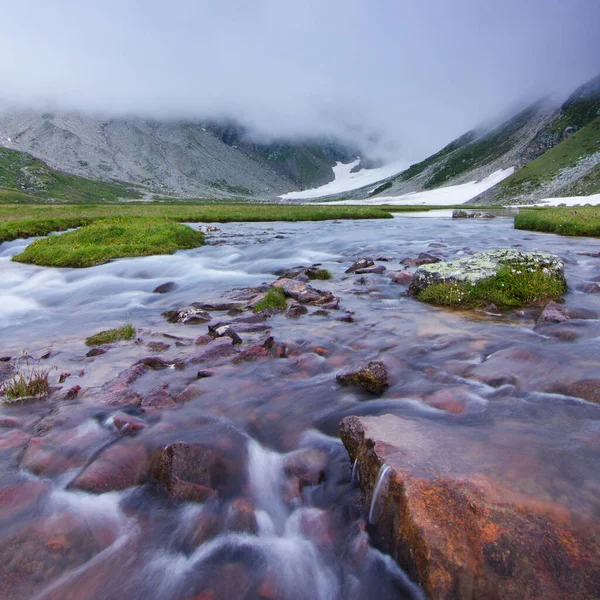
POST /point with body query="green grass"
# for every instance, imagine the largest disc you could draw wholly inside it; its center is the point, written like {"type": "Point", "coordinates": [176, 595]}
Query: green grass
{"type": "Point", "coordinates": [577, 220]}
{"type": "Point", "coordinates": [382, 188]}
{"type": "Point", "coordinates": [512, 286]}
{"type": "Point", "coordinates": [321, 274]}
{"type": "Point", "coordinates": [24, 177]}
{"type": "Point", "coordinates": [107, 239]}
{"type": "Point", "coordinates": [25, 381]}
{"type": "Point", "coordinates": [275, 298]}
{"type": "Point", "coordinates": [127, 332]}
{"type": "Point", "coordinates": [28, 220]}
{"type": "Point", "coordinates": [547, 166]}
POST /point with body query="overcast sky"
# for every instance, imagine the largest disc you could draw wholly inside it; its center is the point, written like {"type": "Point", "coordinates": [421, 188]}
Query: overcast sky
{"type": "Point", "coordinates": [413, 74]}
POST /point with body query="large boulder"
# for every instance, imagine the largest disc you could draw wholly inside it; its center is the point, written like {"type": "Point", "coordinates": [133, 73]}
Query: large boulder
{"type": "Point", "coordinates": [483, 265]}
{"type": "Point", "coordinates": [478, 513]}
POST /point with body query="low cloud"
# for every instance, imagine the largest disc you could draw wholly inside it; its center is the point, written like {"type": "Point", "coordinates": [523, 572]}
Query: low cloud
{"type": "Point", "coordinates": [402, 77]}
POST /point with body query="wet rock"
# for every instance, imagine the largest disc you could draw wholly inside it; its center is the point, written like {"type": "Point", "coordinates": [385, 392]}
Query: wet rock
{"type": "Point", "coordinates": [225, 331]}
{"type": "Point", "coordinates": [164, 288]}
{"type": "Point", "coordinates": [371, 376]}
{"type": "Point", "coordinates": [301, 292]}
{"type": "Point", "coordinates": [462, 214]}
{"type": "Point", "coordinates": [240, 517]}
{"type": "Point", "coordinates": [308, 465]}
{"type": "Point", "coordinates": [4, 359]}
{"type": "Point", "coordinates": [219, 306]}
{"type": "Point", "coordinates": [295, 311]}
{"type": "Point", "coordinates": [346, 319]}
{"type": "Point", "coordinates": [553, 313]}
{"type": "Point", "coordinates": [204, 373]}
{"type": "Point", "coordinates": [587, 389]}
{"type": "Point", "coordinates": [10, 422]}
{"type": "Point", "coordinates": [483, 265]}
{"type": "Point", "coordinates": [19, 498]}
{"type": "Point", "coordinates": [127, 424]}
{"type": "Point", "coordinates": [250, 354]}
{"type": "Point", "coordinates": [591, 288]}
{"type": "Point", "coordinates": [402, 277]}
{"type": "Point", "coordinates": [202, 340]}
{"type": "Point", "coordinates": [116, 468]}
{"type": "Point", "coordinates": [158, 397]}
{"type": "Point", "coordinates": [155, 363]}
{"type": "Point", "coordinates": [461, 532]}
{"type": "Point", "coordinates": [63, 377]}
{"type": "Point", "coordinates": [376, 270]}
{"type": "Point", "coordinates": [187, 316]}
{"type": "Point", "coordinates": [189, 393]}
{"type": "Point", "coordinates": [361, 263]}
{"type": "Point", "coordinates": [14, 439]}
{"type": "Point", "coordinates": [189, 472]}
{"type": "Point", "coordinates": [422, 259]}
{"type": "Point", "coordinates": [158, 346]}
{"type": "Point", "coordinates": [319, 313]}
{"type": "Point", "coordinates": [217, 349]}
{"type": "Point", "coordinates": [119, 392]}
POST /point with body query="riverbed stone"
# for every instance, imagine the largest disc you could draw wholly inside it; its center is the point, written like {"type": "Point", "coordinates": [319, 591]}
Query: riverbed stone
{"type": "Point", "coordinates": [423, 259]}
{"type": "Point", "coordinates": [463, 214]}
{"type": "Point", "coordinates": [401, 277]}
{"type": "Point", "coordinates": [189, 472]}
{"type": "Point", "coordinates": [481, 266]}
{"type": "Point", "coordinates": [468, 516]}
{"type": "Point", "coordinates": [374, 270]}
{"type": "Point", "coordinates": [164, 288]}
{"type": "Point", "coordinates": [187, 316]}
{"type": "Point", "coordinates": [217, 349]}
{"type": "Point", "coordinates": [372, 376]}
{"type": "Point", "coordinates": [116, 468]}
{"type": "Point", "coordinates": [553, 313]}
{"type": "Point", "coordinates": [299, 291]}
{"type": "Point", "coordinates": [361, 263]}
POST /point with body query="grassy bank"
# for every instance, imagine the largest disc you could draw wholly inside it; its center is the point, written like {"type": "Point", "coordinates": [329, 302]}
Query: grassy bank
{"type": "Point", "coordinates": [107, 239]}
{"type": "Point", "coordinates": [512, 286]}
{"type": "Point", "coordinates": [579, 220]}
{"type": "Point", "coordinates": [27, 220]}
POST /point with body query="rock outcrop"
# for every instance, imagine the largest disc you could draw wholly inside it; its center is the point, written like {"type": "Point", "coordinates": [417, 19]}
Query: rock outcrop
{"type": "Point", "coordinates": [483, 265]}
{"type": "Point", "coordinates": [470, 516]}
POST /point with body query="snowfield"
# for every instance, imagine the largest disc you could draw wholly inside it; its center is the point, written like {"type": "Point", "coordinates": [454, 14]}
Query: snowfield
{"type": "Point", "coordinates": [445, 196]}
{"type": "Point", "coordinates": [345, 180]}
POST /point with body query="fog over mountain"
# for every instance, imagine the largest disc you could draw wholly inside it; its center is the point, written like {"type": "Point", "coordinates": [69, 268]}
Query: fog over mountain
{"type": "Point", "coordinates": [402, 78]}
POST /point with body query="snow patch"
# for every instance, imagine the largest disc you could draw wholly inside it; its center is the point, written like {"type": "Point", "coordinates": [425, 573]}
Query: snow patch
{"type": "Point", "coordinates": [445, 196]}
{"type": "Point", "coordinates": [345, 180]}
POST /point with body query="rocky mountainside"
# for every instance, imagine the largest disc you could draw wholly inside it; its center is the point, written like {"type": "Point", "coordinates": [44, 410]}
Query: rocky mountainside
{"type": "Point", "coordinates": [183, 159]}
{"type": "Point", "coordinates": [554, 149]}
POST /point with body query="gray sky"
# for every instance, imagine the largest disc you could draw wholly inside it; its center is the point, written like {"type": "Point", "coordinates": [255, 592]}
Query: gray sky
{"type": "Point", "coordinates": [412, 74]}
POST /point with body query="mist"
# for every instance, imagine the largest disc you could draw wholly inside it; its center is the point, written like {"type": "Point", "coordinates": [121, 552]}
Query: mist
{"type": "Point", "coordinates": [398, 78]}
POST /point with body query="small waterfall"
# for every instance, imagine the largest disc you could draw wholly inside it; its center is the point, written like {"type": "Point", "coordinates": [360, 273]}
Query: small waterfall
{"type": "Point", "coordinates": [355, 472]}
{"type": "Point", "coordinates": [380, 488]}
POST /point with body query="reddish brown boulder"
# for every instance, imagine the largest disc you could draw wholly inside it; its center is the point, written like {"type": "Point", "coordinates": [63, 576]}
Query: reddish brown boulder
{"type": "Point", "coordinates": [190, 472]}
{"type": "Point", "coordinates": [251, 353]}
{"type": "Point", "coordinates": [477, 515]}
{"type": "Point", "coordinates": [158, 397]}
{"type": "Point", "coordinates": [127, 424]}
{"type": "Point", "coordinates": [402, 277]}
{"type": "Point", "coordinates": [118, 467]}
{"type": "Point", "coordinates": [217, 349]}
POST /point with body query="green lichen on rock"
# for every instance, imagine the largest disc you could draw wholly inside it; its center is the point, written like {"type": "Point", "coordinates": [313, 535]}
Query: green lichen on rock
{"type": "Point", "coordinates": [506, 278]}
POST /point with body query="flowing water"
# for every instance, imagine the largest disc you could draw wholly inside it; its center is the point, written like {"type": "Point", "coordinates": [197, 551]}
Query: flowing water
{"type": "Point", "coordinates": [264, 537]}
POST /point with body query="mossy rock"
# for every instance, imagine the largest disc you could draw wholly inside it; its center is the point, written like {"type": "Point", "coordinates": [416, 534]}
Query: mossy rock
{"type": "Point", "coordinates": [505, 277]}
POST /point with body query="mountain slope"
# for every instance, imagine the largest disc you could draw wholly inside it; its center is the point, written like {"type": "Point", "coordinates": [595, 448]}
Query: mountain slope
{"type": "Point", "coordinates": [183, 159]}
{"type": "Point", "coordinates": [564, 157]}
{"type": "Point", "coordinates": [24, 178]}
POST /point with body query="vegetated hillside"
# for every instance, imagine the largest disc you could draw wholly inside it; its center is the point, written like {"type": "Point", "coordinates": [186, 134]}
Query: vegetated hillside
{"type": "Point", "coordinates": [564, 158]}
{"type": "Point", "coordinates": [570, 169]}
{"type": "Point", "coordinates": [472, 156]}
{"type": "Point", "coordinates": [24, 178]}
{"type": "Point", "coordinates": [514, 143]}
{"type": "Point", "coordinates": [177, 158]}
